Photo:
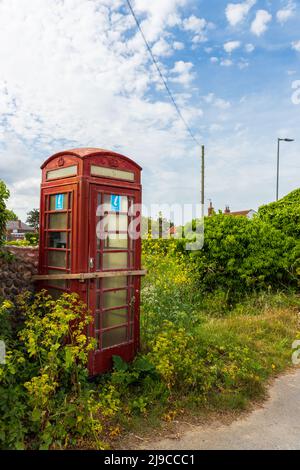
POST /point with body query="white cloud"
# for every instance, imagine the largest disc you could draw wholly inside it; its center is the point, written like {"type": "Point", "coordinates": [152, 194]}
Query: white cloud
{"type": "Point", "coordinates": [178, 46]}
{"type": "Point", "coordinates": [77, 74]}
{"type": "Point", "coordinates": [243, 64]}
{"type": "Point", "coordinates": [182, 72]}
{"type": "Point", "coordinates": [194, 24]}
{"type": "Point", "coordinates": [162, 48]}
{"type": "Point", "coordinates": [237, 12]}
{"type": "Point", "coordinates": [214, 60]}
{"type": "Point", "coordinates": [286, 13]}
{"type": "Point", "coordinates": [296, 45]}
{"type": "Point", "coordinates": [249, 48]}
{"type": "Point", "coordinates": [260, 24]}
{"type": "Point", "coordinates": [216, 102]}
{"type": "Point", "coordinates": [213, 128]}
{"type": "Point", "coordinates": [197, 26]}
{"type": "Point", "coordinates": [226, 63]}
{"type": "Point", "coordinates": [159, 14]}
{"type": "Point", "coordinates": [230, 46]}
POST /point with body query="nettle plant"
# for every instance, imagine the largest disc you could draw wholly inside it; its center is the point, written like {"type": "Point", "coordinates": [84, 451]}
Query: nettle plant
{"type": "Point", "coordinates": [45, 398]}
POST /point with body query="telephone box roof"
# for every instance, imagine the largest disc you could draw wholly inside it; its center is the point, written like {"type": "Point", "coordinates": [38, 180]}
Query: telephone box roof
{"type": "Point", "coordinates": [86, 152]}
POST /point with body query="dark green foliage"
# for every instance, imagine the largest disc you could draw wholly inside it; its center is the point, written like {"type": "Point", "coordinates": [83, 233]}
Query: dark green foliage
{"type": "Point", "coordinates": [284, 214]}
{"type": "Point", "coordinates": [242, 255]}
{"type": "Point", "coordinates": [32, 238]}
{"type": "Point", "coordinates": [155, 246]}
{"type": "Point", "coordinates": [33, 218]}
{"type": "Point", "coordinates": [45, 398]}
{"type": "Point", "coordinates": [7, 256]}
{"type": "Point", "coordinates": [4, 195]}
{"type": "Point", "coordinates": [215, 324]}
{"type": "Point", "coordinates": [239, 256]}
{"type": "Point", "coordinates": [11, 215]}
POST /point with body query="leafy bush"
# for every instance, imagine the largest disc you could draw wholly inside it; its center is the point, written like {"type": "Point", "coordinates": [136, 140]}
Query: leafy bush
{"type": "Point", "coordinates": [175, 357]}
{"type": "Point", "coordinates": [45, 398]}
{"type": "Point", "coordinates": [242, 255]}
{"type": "Point", "coordinates": [4, 195]}
{"type": "Point", "coordinates": [11, 215]}
{"type": "Point", "coordinates": [239, 256]}
{"type": "Point", "coordinates": [225, 362]}
{"type": "Point", "coordinates": [214, 323]}
{"type": "Point", "coordinates": [214, 327]}
{"type": "Point", "coordinates": [32, 238]}
{"type": "Point", "coordinates": [170, 291]}
{"type": "Point", "coordinates": [17, 243]}
{"type": "Point", "coordinates": [138, 384]}
{"type": "Point", "coordinates": [284, 214]}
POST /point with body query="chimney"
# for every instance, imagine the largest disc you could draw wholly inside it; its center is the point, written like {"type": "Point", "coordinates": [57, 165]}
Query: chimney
{"type": "Point", "coordinates": [19, 224]}
{"type": "Point", "coordinates": [227, 210]}
{"type": "Point", "coordinates": [211, 210]}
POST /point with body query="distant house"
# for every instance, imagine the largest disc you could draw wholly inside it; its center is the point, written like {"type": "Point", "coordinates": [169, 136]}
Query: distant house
{"type": "Point", "coordinates": [172, 231]}
{"type": "Point", "coordinates": [16, 229]}
{"type": "Point", "coordinates": [249, 213]}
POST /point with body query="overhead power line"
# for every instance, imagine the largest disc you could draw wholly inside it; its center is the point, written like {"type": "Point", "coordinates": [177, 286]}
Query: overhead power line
{"type": "Point", "coordinates": [161, 75]}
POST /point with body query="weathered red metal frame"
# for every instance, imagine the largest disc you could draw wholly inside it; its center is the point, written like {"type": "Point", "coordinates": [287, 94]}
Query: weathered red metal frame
{"type": "Point", "coordinates": [83, 240]}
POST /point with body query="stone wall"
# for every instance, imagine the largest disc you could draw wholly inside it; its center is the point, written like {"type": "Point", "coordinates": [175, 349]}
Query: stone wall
{"type": "Point", "coordinates": [16, 273]}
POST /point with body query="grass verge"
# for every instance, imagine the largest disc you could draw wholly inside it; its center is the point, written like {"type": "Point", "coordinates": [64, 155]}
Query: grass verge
{"type": "Point", "coordinates": [216, 364]}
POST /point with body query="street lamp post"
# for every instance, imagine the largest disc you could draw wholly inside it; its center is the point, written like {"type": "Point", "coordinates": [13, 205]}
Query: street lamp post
{"type": "Point", "coordinates": [278, 152]}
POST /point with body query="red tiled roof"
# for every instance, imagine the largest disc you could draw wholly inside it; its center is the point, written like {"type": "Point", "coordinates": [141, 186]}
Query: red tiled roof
{"type": "Point", "coordinates": [239, 213]}
{"type": "Point", "coordinates": [172, 230]}
{"type": "Point", "coordinates": [17, 225]}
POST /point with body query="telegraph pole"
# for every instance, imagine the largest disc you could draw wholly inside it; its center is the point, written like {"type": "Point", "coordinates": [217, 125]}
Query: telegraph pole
{"type": "Point", "coordinates": [202, 179]}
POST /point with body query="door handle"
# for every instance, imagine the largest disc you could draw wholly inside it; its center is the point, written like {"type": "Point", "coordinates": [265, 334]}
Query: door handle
{"type": "Point", "coordinates": [92, 263]}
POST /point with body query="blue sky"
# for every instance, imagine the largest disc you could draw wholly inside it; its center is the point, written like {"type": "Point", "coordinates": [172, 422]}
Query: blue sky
{"type": "Point", "coordinates": [76, 73]}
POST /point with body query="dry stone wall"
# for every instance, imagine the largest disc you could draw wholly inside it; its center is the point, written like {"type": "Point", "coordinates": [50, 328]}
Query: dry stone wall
{"type": "Point", "coordinates": [16, 271]}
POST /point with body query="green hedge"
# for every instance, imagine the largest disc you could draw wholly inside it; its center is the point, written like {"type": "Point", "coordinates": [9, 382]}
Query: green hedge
{"type": "Point", "coordinates": [245, 255]}
{"type": "Point", "coordinates": [239, 255]}
{"type": "Point", "coordinates": [284, 214]}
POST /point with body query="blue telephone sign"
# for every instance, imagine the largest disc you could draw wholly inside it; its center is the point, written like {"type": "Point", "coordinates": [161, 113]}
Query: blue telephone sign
{"type": "Point", "coordinates": [59, 202]}
{"type": "Point", "coordinates": [115, 201]}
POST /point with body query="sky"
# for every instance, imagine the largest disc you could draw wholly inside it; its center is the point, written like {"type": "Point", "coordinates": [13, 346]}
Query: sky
{"type": "Point", "coordinates": [76, 73]}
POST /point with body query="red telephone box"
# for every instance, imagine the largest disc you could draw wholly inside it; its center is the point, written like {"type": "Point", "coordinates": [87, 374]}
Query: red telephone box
{"type": "Point", "coordinates": [88, 203]}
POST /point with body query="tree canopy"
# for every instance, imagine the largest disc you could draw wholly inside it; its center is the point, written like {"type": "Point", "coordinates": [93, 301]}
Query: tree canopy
{"type": "Point", "coordinates": [11, 215]}
{"type": "Point", "coordinates": [33, 218]}
{"type": "Point", "coordinates": [4, 195]}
